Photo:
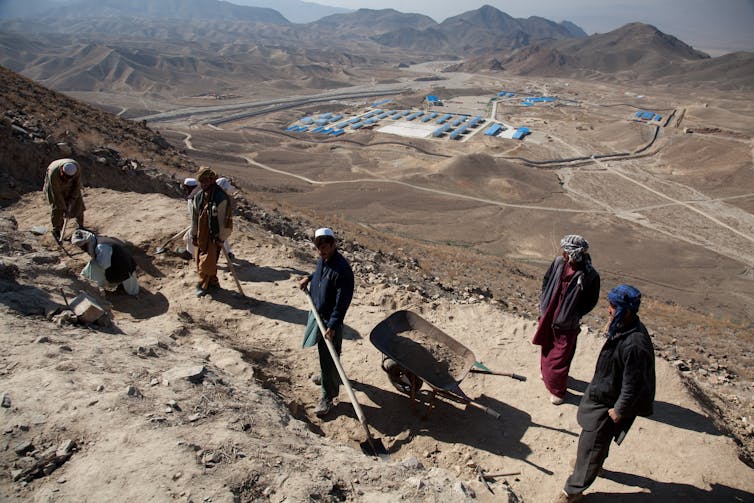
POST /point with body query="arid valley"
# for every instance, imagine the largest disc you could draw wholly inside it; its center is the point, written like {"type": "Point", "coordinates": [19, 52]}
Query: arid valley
{"type": "Point", "coordinates": [631, 138]}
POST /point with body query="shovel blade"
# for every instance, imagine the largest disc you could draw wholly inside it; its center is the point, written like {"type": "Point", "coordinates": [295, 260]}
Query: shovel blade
{"type": "Point", "coordinates": [374, 447]}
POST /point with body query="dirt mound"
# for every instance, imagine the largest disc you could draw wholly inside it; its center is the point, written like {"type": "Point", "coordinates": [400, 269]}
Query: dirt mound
{"type": "Point", "coordinates": [483, 175]}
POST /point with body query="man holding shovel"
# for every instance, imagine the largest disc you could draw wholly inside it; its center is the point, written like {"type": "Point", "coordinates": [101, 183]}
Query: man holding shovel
{"type": "Point", "coordinates": [62, 189]}
{"type": "Point", "coordinates": [331, 290]}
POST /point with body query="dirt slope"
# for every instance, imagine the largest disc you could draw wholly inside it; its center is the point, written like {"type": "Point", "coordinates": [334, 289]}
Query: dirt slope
{"type": "Point", "coordinates": [246, 432]}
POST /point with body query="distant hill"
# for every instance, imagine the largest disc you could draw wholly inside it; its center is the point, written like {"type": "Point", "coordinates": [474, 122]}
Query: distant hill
{"type": "Point", "coordinates": [474, 32]}
{"type": "Point", "coordinates": [368, 22]}
{"type": "Point", "coordinates": [573, 29]}
{"type": "Point", "coordinates": [165, 9]}
{"type": "Point", "coordinates": [46, 118]}
{"type": "Point", "coordinates": [633, 52]}
{"type": "Point", "coordinates": [295, 11]}
{"type": "Point", "coordinates": [18, 9]}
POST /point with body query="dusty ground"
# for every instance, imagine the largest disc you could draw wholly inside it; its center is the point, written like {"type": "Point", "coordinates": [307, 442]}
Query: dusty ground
{"type": "Point", "coordinates": [675, 219]}
{"type": "Point", "coordinates": [248, 429]}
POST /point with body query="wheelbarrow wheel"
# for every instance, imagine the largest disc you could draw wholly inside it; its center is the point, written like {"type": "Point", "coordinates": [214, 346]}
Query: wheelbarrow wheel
{"type": "Point", "coordinates": [404, 381]}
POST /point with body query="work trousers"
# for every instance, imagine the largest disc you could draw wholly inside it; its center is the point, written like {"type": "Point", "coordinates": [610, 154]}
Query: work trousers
{"type": "Point", "coordinates": [57, 216]}
{"type": "Point", "coordinates": [592, 451]}
{"type": "Point", "coordinates": [206, 265]}
{"type": "Point", "coordinates": [328, 370]}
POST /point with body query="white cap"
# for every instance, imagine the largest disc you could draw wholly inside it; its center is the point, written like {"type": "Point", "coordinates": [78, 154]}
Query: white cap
{"type": "Point", "coordinates": [190, 182]}
{"type": "Point", "coordinates": [70, 168]}
{"type": "Point", "coordinates": [324, 231]}
{"type": "Point", "coordinates": [224, 184]}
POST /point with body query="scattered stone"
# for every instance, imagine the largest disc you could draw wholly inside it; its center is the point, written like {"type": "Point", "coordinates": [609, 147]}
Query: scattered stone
{"type": "Point", "coordinates": [146, 352]}
{"type": "Point", "coordinates": [134, 392]}
{"type": "Point", "coordinates": [194, 417]}
{"type": "Point", "coordinates": [411, 463]}
{"type": "Point", "coordinates": [681, 365]}
{"type": "Point", "coordinates": [5, 400]}
{"type": "Point", "coordinates": [464, 489]}
{"type": "Point", "coordinates": [66, 347]}
{"type": "Point", "coordinates": [177, 475]}
{"type": "Point", "coordinates": [415, 482]}
{"type": "Point", "coordinates": [86, 308]}
{"type": "Point", "coordinates": [62, 480]}
{"type": "Point", "coordinates": [154, 382]}
{"type": "Point", "coordinates": [174, 405]}
{"type": "Point", "coordinates": [65, 448]}
{"type": "Point", "coordinates": [193, 373]}
{"type": "Point", "coordinates": [100, 388]}
{"type": "Point", "coordinates": [23, 427]}
{"type": "Point", "coordinates": [24, 447]}
{"type": "Point", "coordinates": [42, 339]}
{"type": "Point", "coordinates": [45, 464]}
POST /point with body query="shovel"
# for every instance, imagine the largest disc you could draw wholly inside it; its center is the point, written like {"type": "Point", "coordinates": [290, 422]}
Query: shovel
{"type": "Point", "coordinates": [162, 248]}
{"type": "Point", "coordinates": [62, 231]}
{"type": "Point", "coordinates": [232, 269]}
{"type": "Point", "coordinates": [481, 368]}
{"type": "Point", "coordinates": [372, 446]}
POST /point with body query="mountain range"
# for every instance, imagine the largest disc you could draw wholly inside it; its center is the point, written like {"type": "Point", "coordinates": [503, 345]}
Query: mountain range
{"type": "Point", "coordinates": [150, 45]}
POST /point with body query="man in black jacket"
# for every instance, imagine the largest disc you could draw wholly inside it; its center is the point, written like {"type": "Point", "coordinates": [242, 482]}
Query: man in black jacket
{"type": "Point", "coordinates": [623, 387]}
{"type": "Point", "coordinates": [331, 287]}
{"type": "Point", "coordinates": [570, 289]}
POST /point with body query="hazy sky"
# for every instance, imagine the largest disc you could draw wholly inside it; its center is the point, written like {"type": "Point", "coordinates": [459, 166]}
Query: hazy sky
{"type": "Point", "coordinates": [699, 22]}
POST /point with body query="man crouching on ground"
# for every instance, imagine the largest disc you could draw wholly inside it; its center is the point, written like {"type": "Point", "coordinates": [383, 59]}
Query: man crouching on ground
{"type": "Point", "coordinates": [331, 290]}
{"type": "Point", "coordinates": [211, 225]}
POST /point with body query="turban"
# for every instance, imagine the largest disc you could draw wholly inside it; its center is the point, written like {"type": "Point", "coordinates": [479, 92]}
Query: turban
{"type": "Point", "coordinates": [224, 184]}
{"type": "Point", "coordinates": [623, 298]}
{"type": "Point", "coordinates": [206, 173]}
{"type": "Point", "coordinates": [70, 168]}
{"type": "Point", "coordinates": [81, 237]}
{"type": "Point", "coordinates": [575, 246]}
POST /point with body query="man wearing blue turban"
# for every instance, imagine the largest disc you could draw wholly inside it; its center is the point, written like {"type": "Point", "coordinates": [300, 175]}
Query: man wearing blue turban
{"type": "Point", "coordinates": [622, 388]}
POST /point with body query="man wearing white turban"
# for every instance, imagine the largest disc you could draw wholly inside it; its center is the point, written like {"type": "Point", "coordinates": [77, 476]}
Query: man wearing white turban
{"type": "Point", "coordinates": [225, 184]}
{"type": "Point", "coordinates": [62, 188]}
{"type": "Point", "coordinates": [111, 264]}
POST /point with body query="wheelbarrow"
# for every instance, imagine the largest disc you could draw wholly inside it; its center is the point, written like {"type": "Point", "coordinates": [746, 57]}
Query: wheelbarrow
{"type": "Point", "coordinates": [416, 352]}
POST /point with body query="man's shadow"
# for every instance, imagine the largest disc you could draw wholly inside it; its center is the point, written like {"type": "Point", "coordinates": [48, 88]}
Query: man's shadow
{"type": "Point", "coordinates": [143, 306]}
{"type": "Point", "coordinates": [665, 491]}
{"type": "Point", "coordinates": [664, 412]}
{"type": "Point", "coordinates": [397, 415]}
{"type": "Point", "coordinates": [247, 271]}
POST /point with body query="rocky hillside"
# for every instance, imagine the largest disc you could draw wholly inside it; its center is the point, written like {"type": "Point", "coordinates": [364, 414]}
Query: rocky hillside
{"type": "Point", "coordinates": [174, 397]}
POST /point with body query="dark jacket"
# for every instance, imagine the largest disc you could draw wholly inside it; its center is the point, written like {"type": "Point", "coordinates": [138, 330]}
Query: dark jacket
{"type": "Point", "coordinates": [624, 379]}
{"type": "Point", "coordinates": [581, 296]}
{"type": "Point", "coordinates": [122, 264]}
{"type": "Point", "coordinates": [331, 287]}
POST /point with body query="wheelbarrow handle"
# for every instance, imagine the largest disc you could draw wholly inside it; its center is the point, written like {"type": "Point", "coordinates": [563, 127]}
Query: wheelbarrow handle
{"type": "Point", "coordinates": [490, 412]}
{"type": "Point", "coordinates": [518, 377]}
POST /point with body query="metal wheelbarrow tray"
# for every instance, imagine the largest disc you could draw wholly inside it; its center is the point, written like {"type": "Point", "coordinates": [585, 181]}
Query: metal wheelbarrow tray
{"type": "Point", "coordinates": [416, 351]}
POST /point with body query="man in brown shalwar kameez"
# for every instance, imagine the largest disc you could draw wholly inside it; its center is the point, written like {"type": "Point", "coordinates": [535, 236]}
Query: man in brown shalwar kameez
{"type": "Point", "coordinates": [211, 225]}
{"type": "Point", "coordinates": [62, 188]}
